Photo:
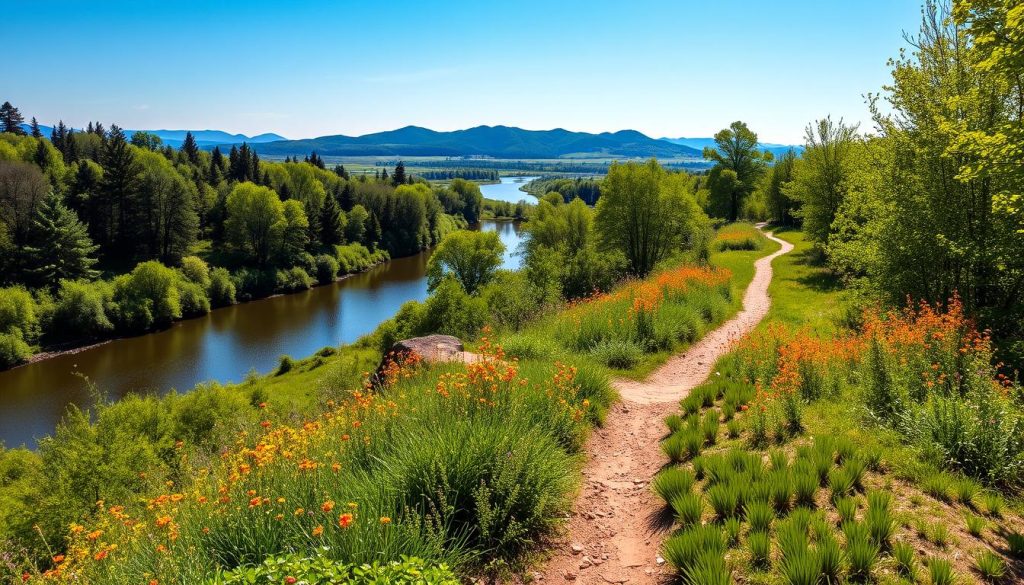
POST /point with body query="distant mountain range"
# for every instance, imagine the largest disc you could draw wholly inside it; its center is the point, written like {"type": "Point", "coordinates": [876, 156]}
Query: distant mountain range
{"type": "Point", "coordinates": [700, 143]}
{"type": "Point", "coordinates": [493, 141]}
{"type": "Point", "coordinates": [502, 142]}
{"type": "Point", "coordinates": [204, 138]}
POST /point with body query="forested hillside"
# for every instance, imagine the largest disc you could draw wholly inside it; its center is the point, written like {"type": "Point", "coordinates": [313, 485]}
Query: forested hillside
{"type": "Point", "coordinates": [102, 235]}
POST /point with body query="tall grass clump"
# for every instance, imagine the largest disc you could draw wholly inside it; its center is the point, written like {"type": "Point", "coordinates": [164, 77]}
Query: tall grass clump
{"type": "Point", "coordinates": [672, 482]}
{"type": "Point", "coordinates": [739, 236]}
{"type": "Point", "coordinates": [653, 314]}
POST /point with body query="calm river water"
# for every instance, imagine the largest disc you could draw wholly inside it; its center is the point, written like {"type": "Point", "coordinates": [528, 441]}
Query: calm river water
{"type": "Point", "coordinates": [224, 345]}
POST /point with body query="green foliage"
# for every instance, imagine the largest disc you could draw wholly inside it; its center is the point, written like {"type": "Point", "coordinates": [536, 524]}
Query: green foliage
{"type": "Point", "coordinates": [326, 269]}
{"type": "Point", "coordinates": [991, 566]}
{"type": "Point", "coordinates": [940, 572]}
{"type": "Point", "coordinates": [61, 246]}
{"type": "Point", "coordinates": [683, 551]}
{"type": "Point", "coordinates": [861, 550]}
{"type": "Point", "coordinates": [322, 570]}
{"type": "Point", "coordinates": [688, 508]}
{"type": "Point", "coordinates": [472, 258]}
{"type": "Point", "coordinates": [738, 167]}
{"type": "Point", "coordinates": [146, 298]}
{"type": "Point", "coordinates": [222, 288]}
{"type": "Point", "coordinates": [646, 214]}
{"type": "Point", "coordinates": [672, 482]}
{"type": "Point", "coordinates": [760, 516]}
{"type": "Point", "coordinates": [759, 545]}
{"type": "Point", "coordinates": [906, 562]}
{"type": "Point", "coordinates": [975, 524]}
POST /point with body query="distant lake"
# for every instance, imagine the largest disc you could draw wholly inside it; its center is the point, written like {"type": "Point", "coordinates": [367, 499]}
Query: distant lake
{"type": "Point", "coordinates": [508, 190]}
{"type": "Point", "coordinates": [223, 345]}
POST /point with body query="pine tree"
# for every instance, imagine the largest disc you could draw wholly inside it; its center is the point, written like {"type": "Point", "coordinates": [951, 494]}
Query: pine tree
{"type": "Point", "coordinates": [89, 129]}
{"type": "Point", "coordinates": [384, 175]}
{"type": "Point", "coordinates": [70, 151]}
{"type": "Point", "coordinates": [399, 176]}
{"type": "Point", "coordinates": [11, 119]}
{"type": "Point", "coordinates": [36, 133]}
{"type": "Point", "coordinates": [99, 130]}
{"type": "Point", "coordinates": [332, 229]}
{"type": "Point", "coordinates": [120, 177]}
{"type": "Point", "coordinates": [216, 166]}
{"type": "Point", "coordinates": [340, 171]}
{"type": "Point", "coordinates": [373, 233]}
{"type": "Point", "coordinates": [190, 148]}
{"type": "Point", "coordinates": [63, 249]}
{"type": "Point", "coordinates": [347, 198]}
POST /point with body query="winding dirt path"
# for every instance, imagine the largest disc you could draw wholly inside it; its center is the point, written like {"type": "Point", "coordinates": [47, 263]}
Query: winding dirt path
{"type": "Point", "coordinates": [617, 524]}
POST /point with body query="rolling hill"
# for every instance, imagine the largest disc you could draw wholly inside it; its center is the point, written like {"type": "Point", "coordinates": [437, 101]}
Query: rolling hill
{"type": "Point", "coordinates": [492, 141]}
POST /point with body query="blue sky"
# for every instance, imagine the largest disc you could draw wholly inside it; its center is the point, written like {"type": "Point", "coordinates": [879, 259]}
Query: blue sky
{"type": "Point", "coordinates": [312, 68]}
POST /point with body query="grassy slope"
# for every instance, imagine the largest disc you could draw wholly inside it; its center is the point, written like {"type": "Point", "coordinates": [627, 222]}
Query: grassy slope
{"type": "Point", "coordinates": [808, 296]}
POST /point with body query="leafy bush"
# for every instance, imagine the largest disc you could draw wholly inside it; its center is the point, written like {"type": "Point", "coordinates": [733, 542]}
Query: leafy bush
{"type": "Point", "coordinates": [193, 298]}
{"type": "Point", "coordinates": [326, 269]}
{"type": "Point", "coordinates": [617, 353]}
{"type": "Point", "coordinates": [80, 309]}
{"type": "Point", "coordinates": [195, 270]}
{"type": "Point", "coordinates": [13, 350]}
{"type": "Point", "coordinates": [222, 288]}
{"type": "Point", "coordinates": [511, 299]}
{"type": "Point", "coordinates": [293, 279]}
{"type": "Point", "coordinates": [321, 570]}
{"type": "Point", "coordinates": [147, 297]}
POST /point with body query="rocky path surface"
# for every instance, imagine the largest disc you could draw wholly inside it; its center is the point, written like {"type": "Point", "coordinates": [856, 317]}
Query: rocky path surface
{"type": "Point", "coordinates": [617, 525]}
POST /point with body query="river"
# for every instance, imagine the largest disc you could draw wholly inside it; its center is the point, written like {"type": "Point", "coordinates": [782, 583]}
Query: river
{"type": "Point", "coordinates": [225, 344]}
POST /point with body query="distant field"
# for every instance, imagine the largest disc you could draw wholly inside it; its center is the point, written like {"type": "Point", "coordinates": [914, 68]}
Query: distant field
{"type": "Point", "coordinates": [569, 165]}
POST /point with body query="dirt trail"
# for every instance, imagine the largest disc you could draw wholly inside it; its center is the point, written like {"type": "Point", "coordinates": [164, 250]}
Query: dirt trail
{"type": "Point", "coordinates": [617, 524]}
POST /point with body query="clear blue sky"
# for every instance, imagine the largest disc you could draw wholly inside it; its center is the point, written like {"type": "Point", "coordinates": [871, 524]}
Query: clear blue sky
{"type": "Point", "coordinates": [312, 68]}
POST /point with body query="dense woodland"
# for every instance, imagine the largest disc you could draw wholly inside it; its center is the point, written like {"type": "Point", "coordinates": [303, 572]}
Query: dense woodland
{"type": "Point", "coordinates": [910, 240]}
{"type": "Point", "coordinates": [100, 235]}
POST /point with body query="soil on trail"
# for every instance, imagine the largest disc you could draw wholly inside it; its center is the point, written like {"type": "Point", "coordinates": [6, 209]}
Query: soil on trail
{"type": "Point", "coordinates": [618, 524]}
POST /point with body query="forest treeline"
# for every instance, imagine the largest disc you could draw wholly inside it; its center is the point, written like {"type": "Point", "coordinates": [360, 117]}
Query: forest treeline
{"type": "Point", "coordinates": [467, 174]}
{"type": "Point", "coordinates": [102, 235]}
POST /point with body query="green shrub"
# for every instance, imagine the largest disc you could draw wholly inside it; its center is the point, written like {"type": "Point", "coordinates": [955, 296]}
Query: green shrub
{"type": "Point", "coordinates": [18, 313]}
{"type": "Point", "coordinates": [292, 279]}
{"type": "Point", "coordinates": [320, 570]}
{"type": "Point", "coordinates": [326, 269]}
{"type": "Point", "coordinates": [222, 289]}
{"type": "Point", "coordinates": [193, 298]}
{"type": "Point", "coordinates": [511, 299]}
{"type": "Point", "coordinates": [195, 269]}
{"type": "Point", "coordinates": [147, 297]}
{"type": "Point", "coordinates": [527, 346]}
{"type": "Point", "coordinates": [617, 353]}
{"type": "Point", "coordinates": [781, 490]}
{"type": "Point", "coordinates": [80, 310]}
{"type": "Point", "coordinates": [939, 534]}
{"type": "Point", "coordinates": [841, 482]}
{"type": "Point", "coordinates": [13, 350]}
{"type": "Point", "coordinates": [709, 427]}
{"type": "Point", "coordinates": [733, 428]}
{"type": "Point", "coordinates": [674, 422]}
{"type": "Point", "coordinates": [284, 365]}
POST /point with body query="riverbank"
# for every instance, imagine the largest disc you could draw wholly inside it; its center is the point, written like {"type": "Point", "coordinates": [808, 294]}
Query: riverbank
{"type": "Point", "coordinates": [76, 347]}
{"type": "Point", "coordinates": [226, 345]}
